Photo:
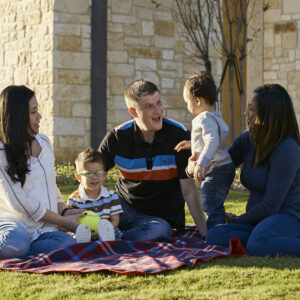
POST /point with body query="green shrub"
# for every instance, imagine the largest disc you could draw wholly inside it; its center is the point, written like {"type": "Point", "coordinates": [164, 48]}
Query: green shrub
{"type": "Point", "coordinates": [236, 185]}
{"type": "Point", "coordinates": [65, 175]}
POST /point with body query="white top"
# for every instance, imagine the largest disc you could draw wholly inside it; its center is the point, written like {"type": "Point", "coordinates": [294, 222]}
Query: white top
{"type": "Point", "coordinates": [28, 204]}
{"type": "Point", "coordinates": [209, 133]}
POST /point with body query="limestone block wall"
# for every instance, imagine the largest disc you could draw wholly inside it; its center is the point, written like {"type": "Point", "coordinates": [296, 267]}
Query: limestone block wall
{"type": "Point", "coordinates": [282, 47]}
{"type": "Point", "coordinates": [26, 30]}
{"type": "Point", "coordinates": [71, 90]}
{"type": "Point", "coordinates": [46, 45]}
{"type": "Point", "coordinates": [144, 42]}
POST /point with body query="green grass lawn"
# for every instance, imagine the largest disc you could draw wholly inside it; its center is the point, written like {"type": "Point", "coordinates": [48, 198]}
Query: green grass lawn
{"type": "Point", "coordinates": [221, 278]}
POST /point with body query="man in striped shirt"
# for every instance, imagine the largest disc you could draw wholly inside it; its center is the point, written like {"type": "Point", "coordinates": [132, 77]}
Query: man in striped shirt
{"type": "Point", "coordinates": [152, 185]}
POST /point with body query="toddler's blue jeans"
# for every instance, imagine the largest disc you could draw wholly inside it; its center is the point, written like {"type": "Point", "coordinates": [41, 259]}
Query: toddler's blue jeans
{"type": "Point", "coordinates": [213, 192]}
{"type": "Point", "coordinates": [278, 234]}
{"type": "Point", "coordinates": [15, 240]}
{"type": "Point", "coordinates": [139, 227]}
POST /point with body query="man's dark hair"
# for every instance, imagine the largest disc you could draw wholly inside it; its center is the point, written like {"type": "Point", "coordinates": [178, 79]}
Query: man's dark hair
{"type": "Point", "coordinates": [138, 88]}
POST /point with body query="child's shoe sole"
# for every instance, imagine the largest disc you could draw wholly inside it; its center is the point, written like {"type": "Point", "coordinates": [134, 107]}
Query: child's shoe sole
{"type": "Point", "coordinates": [83, 233]}
{"type": "Point", "coordinates": [106, 231]}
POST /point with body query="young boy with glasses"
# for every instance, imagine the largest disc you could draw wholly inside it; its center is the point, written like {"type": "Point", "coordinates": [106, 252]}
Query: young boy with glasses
{"type": "Point", "coordinates": [93, 196]}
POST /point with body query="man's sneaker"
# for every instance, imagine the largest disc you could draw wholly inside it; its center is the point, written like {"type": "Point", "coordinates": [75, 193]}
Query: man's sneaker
{"type": "Point", "coordinates": [106, 231]}
{"type": "Point", "coordinates": [83, 234]}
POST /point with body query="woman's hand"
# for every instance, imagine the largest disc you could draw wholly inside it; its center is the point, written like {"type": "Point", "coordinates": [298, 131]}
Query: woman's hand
{"type": "Point", "coordinates": [71, 221]}
{"type": "Point", "coordinates": [73, 211]}
{"type": "Point", "coordinates": [183, 145]}
{"type": "Point", "coordinates": [228, 217]}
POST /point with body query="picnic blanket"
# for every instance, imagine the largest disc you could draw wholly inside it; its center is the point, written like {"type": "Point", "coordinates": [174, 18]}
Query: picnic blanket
{"type": "Point", "coordinates": [126, 257]}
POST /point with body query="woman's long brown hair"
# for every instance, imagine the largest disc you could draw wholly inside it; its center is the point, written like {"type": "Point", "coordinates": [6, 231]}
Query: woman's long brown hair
{"type": "Point", "coordinates": [14, 122]}
{"type": "Point", "coordinates": [276, 120]}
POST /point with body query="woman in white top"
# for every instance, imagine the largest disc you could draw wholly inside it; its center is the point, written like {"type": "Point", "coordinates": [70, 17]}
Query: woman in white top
{"type": "Point", "coordinates": [31, 206]}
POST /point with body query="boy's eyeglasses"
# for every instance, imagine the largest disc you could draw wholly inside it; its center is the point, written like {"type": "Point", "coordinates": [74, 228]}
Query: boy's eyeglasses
{"type": "Point", "coordinates": [91, 174]}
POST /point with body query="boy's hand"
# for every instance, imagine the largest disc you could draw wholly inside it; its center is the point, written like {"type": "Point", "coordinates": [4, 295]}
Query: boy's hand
{"type": "Point", "coordinates": [94, 236]}
{"type": "Point", "coordinates": [228, 217]}
{"type": "Point", "coordinates": [199, 173]}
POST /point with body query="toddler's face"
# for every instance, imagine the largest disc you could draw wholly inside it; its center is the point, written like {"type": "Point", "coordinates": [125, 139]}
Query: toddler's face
{"type": "Point", "coordinates": [92, 176]}
{"type": "Point", "coordinates": [192, 106]}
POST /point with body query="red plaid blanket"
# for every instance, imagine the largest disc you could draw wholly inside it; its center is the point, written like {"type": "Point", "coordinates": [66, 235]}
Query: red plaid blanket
{"type": "Point", "coordinates": [126, 257]}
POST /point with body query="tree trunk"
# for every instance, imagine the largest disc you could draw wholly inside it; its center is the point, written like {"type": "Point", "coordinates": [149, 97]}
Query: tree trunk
{"type": "Point", "coordinates": [241, 95]}
{"type": "Point", "coordinates": [231, 67]}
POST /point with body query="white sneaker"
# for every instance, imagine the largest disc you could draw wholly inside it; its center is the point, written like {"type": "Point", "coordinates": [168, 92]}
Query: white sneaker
{"type": "Point", "coordinates": [83, 234]}
{"type": "Point", "coordinates": [106, 231]}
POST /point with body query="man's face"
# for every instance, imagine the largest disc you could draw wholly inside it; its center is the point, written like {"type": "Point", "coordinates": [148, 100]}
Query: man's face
{"type": "Point", "coordinates": [149, 113]}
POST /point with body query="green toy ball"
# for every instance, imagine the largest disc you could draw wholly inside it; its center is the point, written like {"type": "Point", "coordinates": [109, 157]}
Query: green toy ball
{"type": "Point", "coordinates": [91, 219]}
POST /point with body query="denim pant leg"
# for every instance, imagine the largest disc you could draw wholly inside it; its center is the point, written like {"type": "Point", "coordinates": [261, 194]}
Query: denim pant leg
{"type": "Point", "coordinates": [139, 227]}
{"type": "Point", "coordinates": [221, 234]}
{"type": "Point", "coordinates": [50, 241]}
{"type": "Point", "coordinates": [278, 234]}
{"type": "Point", "coordinates": [14, 239]}
{"type": "Point", "coordinates": [213, 192]}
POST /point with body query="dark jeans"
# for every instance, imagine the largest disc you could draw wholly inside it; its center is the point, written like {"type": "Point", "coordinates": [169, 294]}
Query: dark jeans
{"type": "Point", "coordinates": [213, 192]}
{"type": "Point", "coordinates": [139, 227]}
{"type": "Point", "coordinates": [278, 234]}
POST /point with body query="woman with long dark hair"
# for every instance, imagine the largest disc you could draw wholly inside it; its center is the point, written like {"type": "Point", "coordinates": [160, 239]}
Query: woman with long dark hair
{"type": "Point", "coordinates": [31, 206]}
{"type": "Point", "coordinates": [270, 154]}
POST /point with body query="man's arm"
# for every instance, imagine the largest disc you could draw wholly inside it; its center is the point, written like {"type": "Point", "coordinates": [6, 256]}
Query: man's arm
{"type": "Point", "coordinates": [107, 148]}
{"type": "Point", "coordinates": [190, 195]}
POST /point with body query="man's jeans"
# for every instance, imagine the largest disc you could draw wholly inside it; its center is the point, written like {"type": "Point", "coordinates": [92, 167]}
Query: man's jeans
{"type": "Point", "coordinates": [213, 192]}
{"type": "Point", "coordinates": [15, 240]}
{"type": "Point", "coordinates": [278, 234]}
{"type": "Point", "coordinates": [139, 227]}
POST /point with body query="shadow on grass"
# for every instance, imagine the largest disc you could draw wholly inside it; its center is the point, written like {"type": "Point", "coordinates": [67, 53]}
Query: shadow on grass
{"type": "Point", "coordinates": [278, 262]}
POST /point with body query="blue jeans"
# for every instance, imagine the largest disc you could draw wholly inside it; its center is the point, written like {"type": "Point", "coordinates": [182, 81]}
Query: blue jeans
{"type": "Point", "coordinates": [15, 240]}
{"type": "Point", "coordinates": [213, 192]}
{"type": "Point", "coordinates": [278, 234]}
{"type": "Point", "coordinates": [139, 227]}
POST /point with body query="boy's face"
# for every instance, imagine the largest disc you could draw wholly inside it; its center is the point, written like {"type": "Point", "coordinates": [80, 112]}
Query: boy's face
{"type": "Point", "coordinates": [91, 180]}
{"type": "Point", "coordinates": [192, 105]}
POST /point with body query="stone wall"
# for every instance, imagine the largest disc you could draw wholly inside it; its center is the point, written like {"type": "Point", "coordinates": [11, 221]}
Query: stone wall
{"type": "Point", "coordinates": [26, 30]}
{"type": "Point", "coordinates": [282, 47]}
{"type": "Point", "coordinates": [144, 41]}
{"type": "Point", "coordinates": [71, 77]}
{"type": "Point", "coordinates": [45, 45]}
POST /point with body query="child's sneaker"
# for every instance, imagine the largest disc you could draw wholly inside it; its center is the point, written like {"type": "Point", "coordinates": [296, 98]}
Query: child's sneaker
{"type": "Point", "coordinates": [106, 231]}
{"type": "Point", "coordinates": [83, 234]}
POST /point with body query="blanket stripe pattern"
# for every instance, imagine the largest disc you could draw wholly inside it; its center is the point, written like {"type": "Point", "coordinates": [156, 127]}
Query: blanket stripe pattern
{"type": "Point", "coordinates": [126, 257]}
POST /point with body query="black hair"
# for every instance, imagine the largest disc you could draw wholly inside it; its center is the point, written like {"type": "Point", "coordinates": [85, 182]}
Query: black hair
{"type": "Point", "coordinates": [276, 120]}
{"type": "Point", "coordinates": [14, 122]}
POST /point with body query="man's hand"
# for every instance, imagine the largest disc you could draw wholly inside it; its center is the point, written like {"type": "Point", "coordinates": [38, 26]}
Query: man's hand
{"type": "Point", "coordinates": [183, 145]}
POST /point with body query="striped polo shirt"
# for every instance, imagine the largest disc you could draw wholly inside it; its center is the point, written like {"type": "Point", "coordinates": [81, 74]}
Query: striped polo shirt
{"type": "Point", "coordinates": [105, 205]}
{"type": "Point", "coordinates": [149, 173]}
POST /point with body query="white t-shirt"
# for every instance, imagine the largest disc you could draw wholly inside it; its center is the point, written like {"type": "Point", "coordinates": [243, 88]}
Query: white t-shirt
{"type": "Point", "coordinates": [28, 204]}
